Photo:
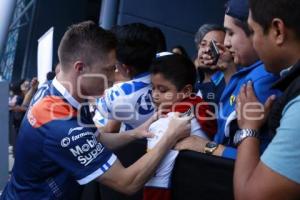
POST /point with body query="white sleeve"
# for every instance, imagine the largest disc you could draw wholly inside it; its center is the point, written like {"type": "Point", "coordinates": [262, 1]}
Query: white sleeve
{"type": "Point", "coordinates": [104, 105]}
{"type": "Point", "coordinates": [99, 120]}
{"type": "Point", "coordinates": [116, 105]}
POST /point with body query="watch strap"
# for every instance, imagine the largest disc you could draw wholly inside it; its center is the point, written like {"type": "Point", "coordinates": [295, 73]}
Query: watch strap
{"type": "Point", "coordinates": [242, 134]}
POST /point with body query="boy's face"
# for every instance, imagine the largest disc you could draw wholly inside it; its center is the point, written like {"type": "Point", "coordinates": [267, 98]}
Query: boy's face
{"type": "Point", "coordinates": [164, 93]}
{"type": "Point", "coordinates": [238, 43]}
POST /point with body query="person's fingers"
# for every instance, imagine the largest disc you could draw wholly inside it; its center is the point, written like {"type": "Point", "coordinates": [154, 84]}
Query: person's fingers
{"type": "Point", "coordinates": [188, 130]}
{"type": "Point", "coordinates": [206, 50]}
{"type": "Point", "coordinates": [242, 94]}
{"type": "Point", "coordinates": [241, 99]}
{"type": "Point", "coordinates": [176, 114]}
{"type": "Point", "coordinates": [269, 103]}
{"type": "Point", "coordinates": [249, 90]}
{"type": "Point", "coordinates": [163, 116]}
{"type": "Point", "coordinates": [238, 102]}
{"type": "Point", "coordinates": [160, 114]}
{"type": "Point", "coordinates": [214, 67]}
{"type": "Point", "coordinates": [208, 62]}
{"type": "Point", "coordinates": [238, 98]}
{"type": "Point", "coordinates": [178, 146]}
{"type": "Point", "coordinates": [149, 135]}
{"type": "Point", "coordinates": [206, 57]}
{"type": "Point", "coordinates": [152, 119]}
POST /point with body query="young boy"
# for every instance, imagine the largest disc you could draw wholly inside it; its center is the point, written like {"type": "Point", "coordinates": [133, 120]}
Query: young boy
{"type": "Point", "coordinates": [173, 77]}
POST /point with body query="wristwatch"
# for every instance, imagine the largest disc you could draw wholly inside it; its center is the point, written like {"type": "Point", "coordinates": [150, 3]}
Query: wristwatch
{"type": "Point", "coordinates": [210, 147]}
{"type": "Point", "coordinates": [242, 134]}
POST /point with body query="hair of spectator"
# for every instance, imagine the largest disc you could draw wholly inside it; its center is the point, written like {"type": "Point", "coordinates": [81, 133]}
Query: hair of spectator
{"type": "Point", "coordinates": [85, 40]}
{"type": "Point", "coordinates": [135, 46]}
{"type": "Point", "coordinates": [50, 76]}
{"type": "Point", "coordinates": [159, 39]}
{"type": "Point", "coordinates": [243, 25]}
{"type": "Point", "coordinates": [204, 29]}
{"type": "Point", "coordinates": [16, 87]}
{"type": "Point", "coordinates": [264, 11]}
{"type": "Point", "coordinates": [177, 69]}
{"type": "Point", "coordinates": [182, 49]}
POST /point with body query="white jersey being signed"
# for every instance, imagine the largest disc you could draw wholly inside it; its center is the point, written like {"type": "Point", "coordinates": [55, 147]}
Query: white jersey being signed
{"type": "Point", "coordinates": [161, 178]}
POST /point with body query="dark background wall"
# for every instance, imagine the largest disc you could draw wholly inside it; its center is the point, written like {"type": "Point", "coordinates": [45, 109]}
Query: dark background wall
{"type": "Point", "coordinates": [57, 13]}
{"type": "Point", "coordinates": [178, 19]}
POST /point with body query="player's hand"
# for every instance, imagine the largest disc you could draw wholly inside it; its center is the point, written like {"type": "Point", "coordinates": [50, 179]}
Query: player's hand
{"type": "Point", "coordinates": [179, 127]}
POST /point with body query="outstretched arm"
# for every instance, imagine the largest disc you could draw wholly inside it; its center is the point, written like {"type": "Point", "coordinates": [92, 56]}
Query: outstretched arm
{"type": "Point", "coordinates": [129, 180]}
{"type": "Point", "coordinates": [117, 140]}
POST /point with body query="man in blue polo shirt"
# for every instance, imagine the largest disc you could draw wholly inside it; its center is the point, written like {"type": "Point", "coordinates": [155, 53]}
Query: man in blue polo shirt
{"type": "Point", "coordinates": [238, 42]}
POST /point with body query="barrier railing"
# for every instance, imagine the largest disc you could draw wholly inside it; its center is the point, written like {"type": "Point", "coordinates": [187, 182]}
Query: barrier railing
{"type": "Point", "coordinates": [200, 176]}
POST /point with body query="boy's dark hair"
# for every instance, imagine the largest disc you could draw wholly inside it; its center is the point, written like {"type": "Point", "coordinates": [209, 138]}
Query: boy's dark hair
{"type": "Point", "coordinates": [264, 11]}
{"type": "Point", "coordinates": [178, 69]}
{"type": "Point", "coordinates": [85, 40]}
{"type": "Point", "coordinates": [182, 49]}
{"type": "Point", "coordinates": [135, 46]}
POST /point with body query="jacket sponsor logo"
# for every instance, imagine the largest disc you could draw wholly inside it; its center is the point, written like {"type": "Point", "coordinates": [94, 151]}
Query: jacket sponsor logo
{"type": "Point", "coordinates": [78, 136]}
{"type": "Point", "coordinates": [65, 142]}
{"type": "Point", "coordinates": [88, 151]}
{"type": "Point", "coordinates": [74, 129]}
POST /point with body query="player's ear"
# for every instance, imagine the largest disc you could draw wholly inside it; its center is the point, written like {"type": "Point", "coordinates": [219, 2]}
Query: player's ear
{"type": "Point", "coordinates": [79, 66]}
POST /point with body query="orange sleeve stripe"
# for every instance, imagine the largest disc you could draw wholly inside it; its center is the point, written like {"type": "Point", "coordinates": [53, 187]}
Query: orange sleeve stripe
{"type": "Point", "coordinates": [48, 109]}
